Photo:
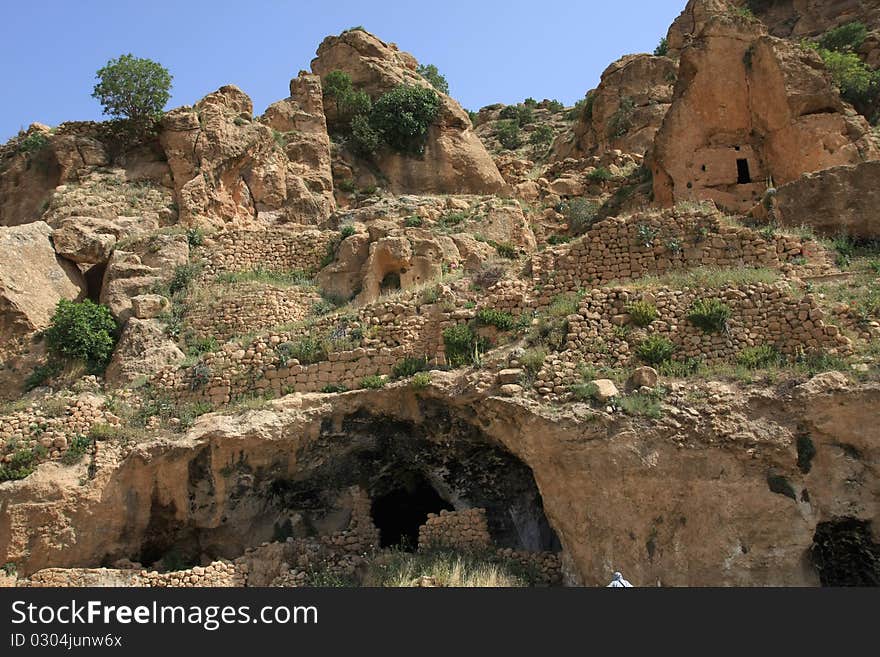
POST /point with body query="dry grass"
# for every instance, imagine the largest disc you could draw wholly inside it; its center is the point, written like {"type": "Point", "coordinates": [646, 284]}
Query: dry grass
{"type": "Point", "coordinates": [444, 569]}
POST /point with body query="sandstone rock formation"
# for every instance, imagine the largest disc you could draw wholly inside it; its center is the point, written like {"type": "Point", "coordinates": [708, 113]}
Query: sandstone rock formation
{"type": "Point", "coordinates": [143, 348]}
{"type": "Point", "coordinates": [229, 168]}
{"type": "Point", "coordinates": [803, 18]}
{"type": "Point", "coordinates": [749, 109]}
{"type": "Point", "coordinates": [454, 161]}
{"type": "Point", "coordinates": [32, 279]}
{"type": "Point", "coordinates": [840, 200]}
{"type": "Point", "coordinates": [91, 240]}
{"type": "Point", "coordinates": [625, 110]}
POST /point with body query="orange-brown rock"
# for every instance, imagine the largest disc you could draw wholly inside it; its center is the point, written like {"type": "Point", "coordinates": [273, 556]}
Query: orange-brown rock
{"type": "Point", "coordinates": [625, 110]}
{"type": "Point", "coordinates": [454, 160]}
{"type": "Point", "coordinates": [748, 109]}
{"type": "Point", "coordinates": [32, 279]}
{"type": "Point", "coordinates": [230, 169]}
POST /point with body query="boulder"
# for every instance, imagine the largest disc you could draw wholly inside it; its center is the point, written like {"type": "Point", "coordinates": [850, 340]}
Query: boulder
{"type": "Point", "coordinates": [509, 376]}
{"type": "Point", "coordinates": [143, 350]}
{"type": "Point", "coordinates": [90, 240]}
{"type": "Point", "coordinates": [627, 109]}
{"type": "Point", "coordinates": [149, 306]}
{"type": "Point", "coordinates": [840, 200]}
{"type": "Point", "coordinates": [33, 279]}
{"type": "Point", "coordinates": [749, 108]}
{"type": "Point", "coordinates": [454, 160]}
{"type": "Point", "coordinates": [643, 377]}
{"type": "Point", "coordinates": [605, 390]}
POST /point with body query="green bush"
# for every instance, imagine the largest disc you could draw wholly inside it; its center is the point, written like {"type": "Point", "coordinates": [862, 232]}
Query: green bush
{"type": "Point", "coordinates": [421, 380]}
{"type": "Point", "coordinates": [508, 135]}
{"type": "Point", "coordinates": [22, 463]}
{"type": "Point", "coordinates": [757, 358]}
{"type": "Point", "coordinates": [641, 405]}
{"type": "Point", "coordinates": [711, 315]}
{"type": "Point", "coordinates": [82, 331]}
{"type": "Point", "coordinates": [600, 174]}
{"type": "Point", "coordinates": [41, 374]}
{"type": "Point", "coordinates": [408, 367]}
{"type": "Point", "coordinates": [500, 319]}
{"type": "Point", "coordinates": [364, 137]}
{"type": "Point", "coordinates": [555, 106]}
{"type": "Point", "coordinates": [532, 361]}
{"type": "Point", "coordinates": [77, 448]}
{"type": "Point", "coordinates": [374, 382]}
{"type": "Point", "coordinates": [655, 349]}
{"type": "Point", "coordinates": [583, 392]}
{"type": "Point", "coordinates": [347, 231]}
{"type": "Point", "coordinates": [306, 349]}
{"type": "Point", "coordinates": [506, 250]}
{"type": "Point", "coordinates": [580, 214]}
{"type": "Point", "coordinates": [642, 313]}
{"type": "Point", "coordinates": [463, 347]}
{"type": "Point", "coordinates": [432, 75]}
{"type": "Point", "coordinates": [520, 114]}
{"type": "Point", "coordinates": [195, 237]}
{"type": "Point", "coordinates": [199, 376]}
{"type": "Point", "coordinates": [858, 84]}
{"type": "Point", "coordinates": [183, 278]}
{"type": "Point", "coordinates": [333, 388]}
{"type": "Point", "coordinates": [413, 222]}
{"type": "Point", "coordinates": [621, 121]}
{"type": "Point", "coordinates": [403, 115]}
{"type": "Point", "coordinates": [541, 136]}
{"type": "Point", "coordinates": [849, 37]}
{"type": "Point", "coordinates": [133, 88]}
{"type": "Point", "coordinates": [662, 48]}
{"type": "Point", "coordinates": [33, 143]}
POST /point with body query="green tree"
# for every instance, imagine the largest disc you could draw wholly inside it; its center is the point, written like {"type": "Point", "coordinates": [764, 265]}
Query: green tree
{"type": "Point", "coordinates": [662, 48]}
{"type": "Point", "coordinates": [432, 75]}
{"type": "Point", "coordinates": [508, 135]}
{"type": "Point", "coordinates": [82, 332]}
{"type": "Point", "coordinates": [133, 88]}
{"type": "Point", "coordinates": [337, 84]}
{"type": "Point", "coordinates": [847, 37]}
{"type": "Point", "coordinates": [403, 115]}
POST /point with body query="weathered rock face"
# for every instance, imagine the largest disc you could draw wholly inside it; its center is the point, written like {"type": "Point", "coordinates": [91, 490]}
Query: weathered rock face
{"type": "Point", "coordinates": [454, 160]}
{"type": "Point", "coordinates": [666, 503]}
{"type": "Point", "coordinates": [91, 240]}
{"type": "Point", "coordinates": [230, 169]}
{"type": "Point", "coordinates": [749, 108]}
{"type": "Point", "coordinates": [627, 109]}
{"type": "Point", "coordinates": [834, 201]}
{"type": "Point", "coordinates": [802, 18]}
{"type": "Point", "coordinates": [32, 279]}
{"type": "Point", "coordinates": [143, 349]}
{"type": "Point", "coordinates": [34, 164]}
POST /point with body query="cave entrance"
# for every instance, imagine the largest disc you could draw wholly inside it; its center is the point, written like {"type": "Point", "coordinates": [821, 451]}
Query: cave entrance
{"type": "Point", "coordinates": [400, 512]}
{"type": "Point", "coordinates": [94, 277]}
{"type": "Point", "coordinates": [845, 554]}
{"type": "Point", "coordinates": [743, 175]}
{"type": "Point", "coordinates": [390, 282]}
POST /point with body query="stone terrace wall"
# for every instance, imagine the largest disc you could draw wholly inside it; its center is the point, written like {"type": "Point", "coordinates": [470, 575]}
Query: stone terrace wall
{"type": "Point", "coordinates": [249, 308]}
{"type": "Point", "coordinates": [620, 249]}
{"type": "Point", "coordinates": [601, 332]}
{"type": "Point", "coordinates": [218, 573]}
{"type": "Point", "coordinates": [458, 530]}
{"type": "Point", "coordinates": [275, 249]}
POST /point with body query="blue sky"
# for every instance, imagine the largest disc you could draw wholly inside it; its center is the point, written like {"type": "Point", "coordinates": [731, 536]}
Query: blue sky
{"type": "Point", "coordinates": [489, 51]}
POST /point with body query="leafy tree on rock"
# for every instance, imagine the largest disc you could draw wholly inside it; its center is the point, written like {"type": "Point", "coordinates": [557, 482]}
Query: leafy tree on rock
{"type": "Point", "coordinates": [133, 88]}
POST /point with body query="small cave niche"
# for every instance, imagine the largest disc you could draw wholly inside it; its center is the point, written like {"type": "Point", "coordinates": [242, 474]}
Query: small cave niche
{"type": "Point", "coordinates": [844, 553]}
{"type": "Point", "coordinates": [399, 512]}
{"type": "Point", "coordinates": [743, 174]}
{"type": "Point", "coordinates": [94, 277]}
{"type": "Point", "coordinates": [390, 282]}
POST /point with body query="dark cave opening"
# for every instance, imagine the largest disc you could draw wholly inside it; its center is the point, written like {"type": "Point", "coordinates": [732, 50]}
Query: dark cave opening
{"type": "Point", "coordinates": [400, 512]}
{"type": "Point", "coordinates": [845, 554]}
{"type": "Point", "coordinates": [94, 277]}
{"type": "Point", "coordinates": [743, 175]}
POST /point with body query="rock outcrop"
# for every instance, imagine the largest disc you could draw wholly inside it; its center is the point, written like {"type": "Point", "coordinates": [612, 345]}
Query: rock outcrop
{"type": "Point", "coordinates": [840, 200]}
{"type": "Point", "coordinates": [143, 348]}
{"type": "Point", "coordinates": [806, 18]}
{"type": "Point", "coordinates": [749, 109]}
{"type": "Point", "coordinates": [454, 160]}
{"type": "Point", "coordinates": [625, 111]}
{"type": "Point", "coordinates": [231, 169]}
{"type": "Point", "coordinates": [32, 279]}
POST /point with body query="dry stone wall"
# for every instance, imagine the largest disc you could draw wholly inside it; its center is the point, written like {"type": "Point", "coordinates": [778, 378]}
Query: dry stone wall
{"type": "Point", "coordinates": [457, 530]}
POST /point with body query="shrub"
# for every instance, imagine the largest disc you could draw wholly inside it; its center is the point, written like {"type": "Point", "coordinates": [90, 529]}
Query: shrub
{"type": "Point", "coordinates": [413, 222]}
{"type": "Point", "coordinates": [76, 450]}
{"type": "Point", "coordinates": [432, 75]}
{"type": "Point", "coordinates": [82, 331]}
{"type": "Point", "coordinates": [374, 382]}
{"type": "Point", "coordinates": [195, 237]}
{"type": "Point", "coordinates": [532, 361]}
{"type": "Point", "coordinates": [580, 214]}
{"type": "Point", "coordinates": [555, 106]}
{"type": "Point", "coordinates": [621, 121]}
{"type": "Point", "coordinates": [347, 231]}
{"type": "Point", "coordinates": [133, 88]}
{"type": "Point", "coordinates": [584, 391]}
{"type": "Point", "coordinates": [408, 367]}
{"type": "Point", "coordinates": [600, 174]}
{"type": "Point", "coordinates": [22, 463]}
{"type": "Point", "coordinates": [487, 276]}
{"type": "Point", "coordinates": [364, 137]}
{"type": "Point", "coordinates": [506, 250]}
{"type": "Point", "coordinates": [306, 349]}
{"type": "Point", "coordinates": [183, 278]}
{"type": "Point", "coordinates": [403, 115]}
{"type": "Point", "coordinates": [642, 313]}
{"type": "Point", "coordinates": [858, 84]}
{"type": "Point", "coordinates": [662, 48]}
{"type": "Point", "coordinates": [541, 136]}
{"type": "Point", "coordinates": [501, 320]}
{"type": "Point", "coordinates": [530, 102]}
{"type": "Point", "coordinates": [462, 345]}
{"type": "Point", "coordinates": [421, 380]}
{"type": "Point", "coordinates": [680, 369]}
{"type": "Point", "coordinates": [41, 374]}
{"type": "Point", "coordinates": [760, 357]}
{"type": "Point", "coordinates": [199, 376]}
{"type": "Point", "coordinates": [846, 37]}
{"type": "Point", "coordinates": [641, 404]}
{"type": "Point", "coordinates": [507, 133]}
{"type": "Point", "coordinates": [711, 315]}
{"type": "Point", "coordinates": [655, 349]}
{"type": "Point", "coordinates": [520, 114]}
{"type": "Point", "coordinates": [33, 143]}
{"type": "Point", "coordinates": [333, 388]}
